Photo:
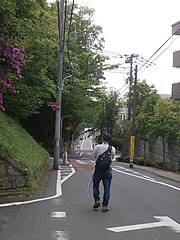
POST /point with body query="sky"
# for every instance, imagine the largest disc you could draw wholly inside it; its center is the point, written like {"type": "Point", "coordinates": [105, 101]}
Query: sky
{"type": "Point", "coordinates": [139, 27]}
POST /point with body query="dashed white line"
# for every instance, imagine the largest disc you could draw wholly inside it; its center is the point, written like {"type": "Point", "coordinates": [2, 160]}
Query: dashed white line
{"type": "Point", "coordinates": [59, 235]}
{"type": "Point", "coordinates": [58, 214]}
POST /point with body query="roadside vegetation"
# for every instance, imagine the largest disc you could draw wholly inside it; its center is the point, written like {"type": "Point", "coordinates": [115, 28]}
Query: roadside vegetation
{"type": "Point", "coordinates": [20, 149]}
{"type": "Point", "coordinates": [28, 79]}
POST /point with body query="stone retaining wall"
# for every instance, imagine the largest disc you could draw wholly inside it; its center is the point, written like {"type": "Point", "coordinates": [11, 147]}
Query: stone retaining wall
{"type": "Point", "coordinates": [11, 176]}
{"type": "Point", "coordinates": [154, 151]}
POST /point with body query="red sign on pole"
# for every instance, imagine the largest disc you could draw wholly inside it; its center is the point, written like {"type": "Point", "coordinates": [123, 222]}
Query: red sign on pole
{"type": "Point", "coordinates": [54, 106]}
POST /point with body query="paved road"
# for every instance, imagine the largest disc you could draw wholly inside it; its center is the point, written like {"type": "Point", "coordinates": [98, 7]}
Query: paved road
{"type": "Point", "coordinates": [137, 199]}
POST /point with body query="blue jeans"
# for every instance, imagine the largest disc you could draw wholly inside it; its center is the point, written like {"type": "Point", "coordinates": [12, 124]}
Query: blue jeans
{"type": "Point", "coordinates": [106, 179]}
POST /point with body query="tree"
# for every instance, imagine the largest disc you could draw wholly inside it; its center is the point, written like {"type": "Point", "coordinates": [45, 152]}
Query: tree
{"type": "Point", "coordinates": [144, 119]}
{"type": "Point", "coordinates": [109, 106]}
{"type": "Point", "coordinates": [165, 123]}
{"type": "Point", "coordinates": [143, 91]}
{"type": "Point", "coordinates": [38, 36]}
{"type": "Point", "coordinates": [82, 92]}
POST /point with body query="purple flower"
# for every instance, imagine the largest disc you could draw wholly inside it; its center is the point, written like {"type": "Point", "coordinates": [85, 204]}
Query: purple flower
{"type": "Point", "coordinates": [13, 58]}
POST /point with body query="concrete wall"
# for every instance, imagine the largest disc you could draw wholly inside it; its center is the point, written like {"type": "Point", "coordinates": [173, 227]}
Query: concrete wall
{"type": "Point", "coordinates": [175, 91]}
{"type": "Point", "coordinates": [154, 151]}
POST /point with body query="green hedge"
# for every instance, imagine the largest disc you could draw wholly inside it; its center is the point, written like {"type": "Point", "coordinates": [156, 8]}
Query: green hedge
{"type": "Point", "coordinates": [17, 145]}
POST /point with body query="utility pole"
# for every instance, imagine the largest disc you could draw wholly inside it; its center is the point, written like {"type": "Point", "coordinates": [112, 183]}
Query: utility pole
{"type": "Point", "coordinates": [130, 86]}
{"type": "Point", "coordinates": [133, 118]}
{"type": "Point", "coordinates": [57, 146]}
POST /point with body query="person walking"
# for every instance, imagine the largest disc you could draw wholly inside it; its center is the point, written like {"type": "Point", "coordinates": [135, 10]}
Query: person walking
{"type": "Point", "coordinates": [103, 155]}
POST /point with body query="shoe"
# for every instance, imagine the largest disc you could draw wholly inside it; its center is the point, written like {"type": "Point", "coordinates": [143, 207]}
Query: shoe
{"type": "Point", "coordinates": [97, 204]}
{"type": "Point", "coordinates": [105, 209]}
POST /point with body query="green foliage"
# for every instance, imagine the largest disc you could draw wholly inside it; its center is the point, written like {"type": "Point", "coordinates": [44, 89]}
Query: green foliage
{"type": "Point", "coordinates": [146, 102]}
{"type": "Point", "coordinates": [144, 118]}
{"type": "Point", "coordinates": [143, 92]}
{"type": "Point", "coordinates": [109, 106]}
{"type": "Point", "coordinates": [17, 145]}
{"type": "Point", "coordinates": [166, 120]}
{"type": "Point", "coordinates": [31, 25]}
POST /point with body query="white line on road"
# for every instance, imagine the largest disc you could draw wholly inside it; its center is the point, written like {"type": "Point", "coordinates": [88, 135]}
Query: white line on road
{"type": "Point", "coordinates": [58, 214]}
{"type": "Point", "coordinates": [59, 235]}
{"type": "Point", "coordinates": [164, 222]}
{"type": "Point", "coordinates": [136, 173]}
{"type": "Point", "coordinates": [147, 179]}
{"type": "Point", "coordinates": [58, 191]}
{"type": "Point", "coordinates": [82, 143]}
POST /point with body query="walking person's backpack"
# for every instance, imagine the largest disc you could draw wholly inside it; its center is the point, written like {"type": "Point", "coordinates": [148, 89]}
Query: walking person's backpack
{"type": "Point", "coordinates": [104, 160]}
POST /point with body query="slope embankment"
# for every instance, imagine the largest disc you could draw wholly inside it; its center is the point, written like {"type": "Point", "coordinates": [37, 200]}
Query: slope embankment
{"type": "Point", "coordinates": [22, 159]}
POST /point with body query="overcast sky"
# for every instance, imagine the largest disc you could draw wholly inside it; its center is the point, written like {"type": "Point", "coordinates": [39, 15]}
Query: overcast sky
{"type": "Point", "coordinates": [140, 27]}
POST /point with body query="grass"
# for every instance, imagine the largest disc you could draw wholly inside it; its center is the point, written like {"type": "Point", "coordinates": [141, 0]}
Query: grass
{"type": "Point", "coordinates": [18, 146]}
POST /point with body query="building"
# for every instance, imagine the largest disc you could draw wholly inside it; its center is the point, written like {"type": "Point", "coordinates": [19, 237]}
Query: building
{"type": "Point", "coordinates": [175, 94]}
{"type": "Point", "coordinates": [123, 114]}
{"type": "Point", "coordinates": [165, 96]}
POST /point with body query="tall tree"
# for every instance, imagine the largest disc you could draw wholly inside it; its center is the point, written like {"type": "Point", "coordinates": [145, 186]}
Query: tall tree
{"type": "Point", "coordinates": [165, 123]}
{"type": "Point", "coordinates": [82, 59]}
{"type": "Point", "coordinates": [37, 34]}
{"type": "Point", "coordinates": [144, 119]}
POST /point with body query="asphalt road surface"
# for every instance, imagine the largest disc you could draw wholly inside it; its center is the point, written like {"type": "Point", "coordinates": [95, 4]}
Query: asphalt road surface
{"type": "Point", "coordinates": [143, 206]}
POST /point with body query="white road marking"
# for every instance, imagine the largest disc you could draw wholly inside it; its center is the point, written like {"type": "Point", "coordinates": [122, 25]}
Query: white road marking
{"type": "Point", "coordinates": [58, 191]}
{"type": "Point", "coordinates": [65, 171]}
{"type": "Point", "coordinates": [58, 214]}
{"type": "Point", "coordinates": [82, 144]}
{"type": "Point", "coordinates": [136, 173]}
{"type": "Point", "coordinates": [164, 222]}
{"type": "Point", "coordinates": [59, 235]}
{"type": "Point", "coordinates": [147, 179]}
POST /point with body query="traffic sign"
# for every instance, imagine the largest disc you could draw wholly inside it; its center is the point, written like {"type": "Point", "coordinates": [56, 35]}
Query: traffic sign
{"type": "Point", "coordinates": [54, 106]}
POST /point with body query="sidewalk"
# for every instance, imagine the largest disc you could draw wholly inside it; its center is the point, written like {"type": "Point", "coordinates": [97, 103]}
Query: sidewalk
{"type": "Point", "coordinates": [167, 174]}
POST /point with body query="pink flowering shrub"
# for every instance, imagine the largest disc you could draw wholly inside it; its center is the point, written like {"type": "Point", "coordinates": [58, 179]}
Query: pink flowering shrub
{"type": "Point", "coordinates": [11, 62]}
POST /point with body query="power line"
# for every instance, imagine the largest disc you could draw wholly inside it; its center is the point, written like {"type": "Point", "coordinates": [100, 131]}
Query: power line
{"type": "Point", "coordinates": [165, 49]}
{"type": "Point", "coordinates": [161, 53]}
{"type": "Point", "coordinates": [158, 49]}
{"type": "Point", "coordinates": [155, 53]}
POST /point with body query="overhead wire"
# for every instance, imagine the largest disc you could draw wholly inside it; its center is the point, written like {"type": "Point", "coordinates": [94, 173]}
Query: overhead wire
{"type": "Point", "coordinates": [158, 50]}
{"type": "Point", "coordinates": [165, 49]}
{"type": "Point", "coordinates": [154, 53]}
{"type": "Point", "coordinates": [160, 54]}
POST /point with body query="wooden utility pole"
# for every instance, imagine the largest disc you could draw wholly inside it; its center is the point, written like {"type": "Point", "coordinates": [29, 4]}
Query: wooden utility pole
{"type": "Point", "coordinates": [130, 86]}
{"type": "Point", "coordinates": [133, 118]}
{"type": "Point", "coordinates": [57, 145]}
